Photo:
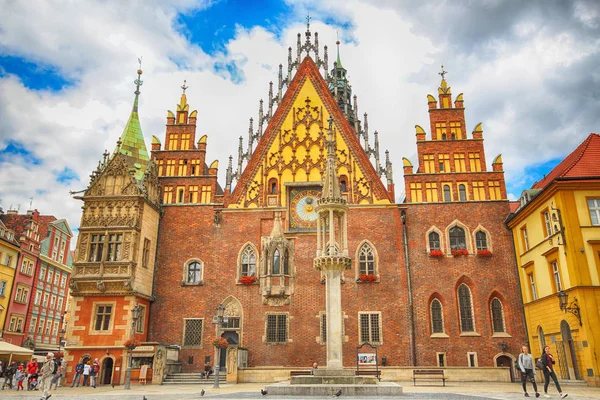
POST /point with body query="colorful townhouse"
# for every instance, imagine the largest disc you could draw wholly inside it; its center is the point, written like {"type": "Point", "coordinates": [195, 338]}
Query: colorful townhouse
{"type": "Point", "coordinates": [9, 256]}
{"type": "Point", "coordinates": [51, 282]}
{"type": "Point", "coordinates": [28, 228]}
{"type": "Point", "coordinates": [556, 232]}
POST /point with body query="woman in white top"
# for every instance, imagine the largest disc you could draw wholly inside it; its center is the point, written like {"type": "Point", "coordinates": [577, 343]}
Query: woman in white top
{"type": "Point", "coordinates": [87, 367]}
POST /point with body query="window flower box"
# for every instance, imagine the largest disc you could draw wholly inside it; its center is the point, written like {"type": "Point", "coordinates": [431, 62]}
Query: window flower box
{"type": "Point", "coordinates": [220, 343]}
{"type": "Point", "coordinates": [436, 253]}
{"type": "Point", "coordinates": [484, 253]}
{"type": "Point", "coordinates": [131, 343]}
{"type": "Point", "coordinates": [460, 252]}
{"type": "Point", "coordinates": [367, 278]}
{"type": "Point", "coordinates": [248, 280]}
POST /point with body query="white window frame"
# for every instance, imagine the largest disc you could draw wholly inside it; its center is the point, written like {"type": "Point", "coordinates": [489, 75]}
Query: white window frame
{"type": "Point", "coordinates": [556, 275]}
{"type": "Point", "coordinates": [594, 208]}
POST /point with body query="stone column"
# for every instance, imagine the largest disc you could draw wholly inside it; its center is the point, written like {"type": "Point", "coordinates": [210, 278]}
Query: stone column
{"type": "Point", "coordinates": [334, 317]}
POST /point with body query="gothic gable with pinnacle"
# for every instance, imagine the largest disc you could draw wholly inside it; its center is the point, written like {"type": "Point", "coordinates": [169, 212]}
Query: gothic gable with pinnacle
{"type": "Point", "coordinates": [292, 152]}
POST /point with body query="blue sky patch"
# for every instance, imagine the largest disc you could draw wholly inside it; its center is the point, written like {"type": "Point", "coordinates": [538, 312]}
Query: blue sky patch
{"type": "Point", "coordinates": [213, 27]}
{"type": "Point", "coordinates": [18, 149]}
{"type": "Point", "coordinates": [66, 176]}
{"type": "Point", "coordinates": [531, 174]}
{"type": "Point", "coordinates": [34, 76]}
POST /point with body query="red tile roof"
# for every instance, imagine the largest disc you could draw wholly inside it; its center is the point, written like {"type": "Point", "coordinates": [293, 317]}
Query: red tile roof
{"type": "Point", "coordinates": [583, 162]}
{"type": "Point", "coordinates": [514, 205]}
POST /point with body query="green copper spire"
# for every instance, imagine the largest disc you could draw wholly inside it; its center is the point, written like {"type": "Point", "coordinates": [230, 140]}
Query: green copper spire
{"type": "Point", "coordinates": [131, 143]}
{"type": "Point", "coordinates": [339, 60]}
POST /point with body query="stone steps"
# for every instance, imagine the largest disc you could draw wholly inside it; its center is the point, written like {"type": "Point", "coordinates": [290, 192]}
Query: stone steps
{"type": "Point", "coordinates": [192, 379]}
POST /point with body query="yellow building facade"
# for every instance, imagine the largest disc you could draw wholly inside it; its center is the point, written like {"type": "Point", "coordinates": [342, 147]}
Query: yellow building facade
{"type": "Point", "coordinates": [9, 256]}
{"type": "Point", "coordinates": [556, 231]}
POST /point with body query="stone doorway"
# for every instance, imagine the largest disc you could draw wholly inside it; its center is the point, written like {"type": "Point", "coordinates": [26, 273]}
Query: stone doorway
{"type": "Point", "coordinates": [506, 361]}
{"type": "Point", "coordinates": [106, 371]}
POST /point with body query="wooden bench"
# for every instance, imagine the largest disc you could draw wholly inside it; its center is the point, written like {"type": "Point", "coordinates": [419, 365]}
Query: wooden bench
{"type": "Point", "coordinates": [369, 372]}
{"type": "Point", "coordinates": [300, 373]}
{"type": "Point", "coordinates": [428, 374]}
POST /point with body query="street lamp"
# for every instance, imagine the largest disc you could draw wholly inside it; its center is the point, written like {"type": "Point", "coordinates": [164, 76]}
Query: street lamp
{"type": "Point", "coordinates": [573, 308]}
{"type": "Point", "coordinates": [219, 320]}
{"type": "Point", "coordinates": [135, 314]}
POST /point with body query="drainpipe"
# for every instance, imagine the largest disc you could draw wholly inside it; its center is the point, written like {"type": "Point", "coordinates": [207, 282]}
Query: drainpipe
{"type": "Point", "coordinates": [413, 347]}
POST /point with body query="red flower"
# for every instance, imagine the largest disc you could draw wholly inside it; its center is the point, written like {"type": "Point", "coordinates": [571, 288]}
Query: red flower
{"type": "Point", "coordinates": [484, 253]}
{"type": "Point", "coordinates": [367, 277]}
{"type": "Point", "coordinates": [221, 343]}
{"type": "Point", "coordinates": [436, 253]}
{"type": "Point", "coordinates": [248, 280]}
{"type": "Point", "coordinates": [460, 252]}
{"type": "Point", "coordinates": [131, 343]}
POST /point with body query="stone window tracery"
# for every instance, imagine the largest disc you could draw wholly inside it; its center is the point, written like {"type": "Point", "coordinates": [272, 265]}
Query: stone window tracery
{"type": "Point", "coordinates": [458, 238]}
{"type": "Point", "coordinates": [367, 260]}
{"type": "Point", "coordinates": [248, 261]}
{"type": "Point", "coordinates": [434, 241]}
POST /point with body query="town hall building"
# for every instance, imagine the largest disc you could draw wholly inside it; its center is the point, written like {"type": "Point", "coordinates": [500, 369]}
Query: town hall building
{"type": "Point", "coordinates": [432, 280]}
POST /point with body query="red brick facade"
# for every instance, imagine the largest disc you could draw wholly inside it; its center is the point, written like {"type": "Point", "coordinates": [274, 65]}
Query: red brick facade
{"type": "Point", "coordinates": [205, 231]}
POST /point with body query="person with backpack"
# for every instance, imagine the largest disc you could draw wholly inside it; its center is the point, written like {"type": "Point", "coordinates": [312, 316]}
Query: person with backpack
{"type": "Point", "coordinates": [548, 364]}
{"type": "Point", "coordinates": [94, 373]}
{"type": "Point", "coordinates": [78, 373]}
{"type": "Point", "coordinates": [525, 365]}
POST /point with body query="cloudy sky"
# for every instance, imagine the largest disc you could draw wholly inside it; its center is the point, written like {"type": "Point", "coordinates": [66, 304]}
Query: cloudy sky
{"type": "Point", "coordinates": [528, 71]}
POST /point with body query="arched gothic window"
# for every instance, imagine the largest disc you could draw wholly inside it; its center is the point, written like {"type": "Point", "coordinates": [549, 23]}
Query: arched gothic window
{"type": "Point", "coordinates": [276, 262]}
{"type": "Point", "coordinates": [366, 259]}
{"type": "Point", "coordinates": [193, 272]}
{"type": "Point", "coordinates": [437, 320]}
{"type": "Point", "coordinates": [457, 238]}
{"type": "Point", "coordinates": [466, 309]}
{"type": "Point", "coordinates": [462, 192]}
{"type": "Point", "coordinates": [497, 316]}
{"type": "Point", "coordinates": [447, 195]}
{"type": "Point", "coordinates": [481, 240]}
{"type": "Point", "coordinates": [434, 241]}
{"type": "Point", "coordinates": [443, 136]}
{"type": "Point", "coordinates": [248, 262]}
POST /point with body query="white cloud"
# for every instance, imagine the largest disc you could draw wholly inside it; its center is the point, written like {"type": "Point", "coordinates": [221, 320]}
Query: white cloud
{"type": "Point", "coordinates": [392, 57]}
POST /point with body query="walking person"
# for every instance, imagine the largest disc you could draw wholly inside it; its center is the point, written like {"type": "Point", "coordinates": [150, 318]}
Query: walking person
{"type": "Point", "coordinates": [8, 375]}
{"type": "Point", "coordinates": [548, 363]}
{"type": "Point", "coordinates": [20, 375]}
{"type": "Point", "coordinates": [527, 370]}
{"type": "Point", "coordinates": [87, 367]}
{"type": "Point", "coordinates": [78, 373]}
{"type": "Point", "coordinates": [47, 373]}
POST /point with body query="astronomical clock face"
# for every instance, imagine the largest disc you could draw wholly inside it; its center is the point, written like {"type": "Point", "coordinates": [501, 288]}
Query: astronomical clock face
{"type": "Point", "coordinates": [303, 208]}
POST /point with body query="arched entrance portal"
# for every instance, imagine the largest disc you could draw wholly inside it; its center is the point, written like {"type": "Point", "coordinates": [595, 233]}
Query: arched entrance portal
{"type": "Point", "coordinates": [567, 357]}
{"type": "Point", "coordinates": [107, 368]}
{"type": "Point", "coordinates": [506, 361]}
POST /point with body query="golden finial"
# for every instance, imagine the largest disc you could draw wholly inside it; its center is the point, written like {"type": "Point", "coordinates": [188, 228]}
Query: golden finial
{"type": "Point", "coordinates": [443, 73]}
{"type": "Point", "coordinates": [138, 82]}
{"type": "Point", "coordinates": [184, 86]}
